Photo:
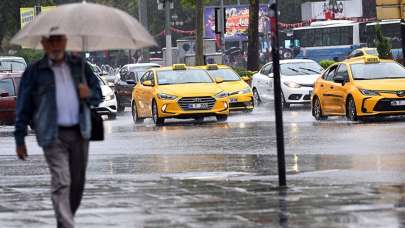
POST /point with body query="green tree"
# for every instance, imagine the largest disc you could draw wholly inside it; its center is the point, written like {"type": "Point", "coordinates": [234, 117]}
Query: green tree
{"type": "Point", "coordinates": [253, 31]}
{"type": "Point", "coordinates": [382, 43]}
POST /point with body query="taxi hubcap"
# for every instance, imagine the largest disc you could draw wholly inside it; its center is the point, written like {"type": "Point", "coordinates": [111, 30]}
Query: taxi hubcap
{"type": "Point", "coordinates": [317, 109]}
{"type": "Point", "coordinates": [352, 110]}
{"type": "Point", "coordinates": [154, 113]}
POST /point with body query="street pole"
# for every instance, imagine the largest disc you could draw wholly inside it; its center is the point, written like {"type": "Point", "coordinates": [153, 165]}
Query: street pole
{"type": "Point", "coordinates": [403, 40]}
{"type": "Point", "coordinates": [168, 35]}
{"type": "Point", "coordinates": [277, 96]}
{"type": "Point", "coordinates": [222, 29]}
{"type": "Point", "coordinates": [143, 19]}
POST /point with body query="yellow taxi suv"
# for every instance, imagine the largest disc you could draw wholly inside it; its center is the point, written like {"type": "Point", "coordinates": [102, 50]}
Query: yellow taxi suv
{"type": "Point", "coordinates": [240, 93]}
{"type": "Point", "coordinates": [178, 92]}
{"type": "Point", "coordinates": [358, 88]}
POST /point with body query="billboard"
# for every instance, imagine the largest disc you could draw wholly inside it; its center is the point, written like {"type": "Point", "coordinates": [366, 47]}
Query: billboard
{"type": "Point", "coordinates": [26, 16]}
{"type": "Point", "coordinates": [237, 22]}
{"type": "Point", "coordinates": [331, 9]}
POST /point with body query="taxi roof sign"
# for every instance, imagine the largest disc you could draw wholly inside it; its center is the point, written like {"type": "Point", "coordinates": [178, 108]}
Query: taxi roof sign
{"type": "Point", "coordinates": [371, 59]}
{"type": "Point", "coordinates": [179, 67]}
{"type": "Point", "coordinates": [212, 67]}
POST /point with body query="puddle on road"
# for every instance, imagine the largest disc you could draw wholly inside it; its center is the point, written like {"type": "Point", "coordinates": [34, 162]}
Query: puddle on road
{"type": "Point", "coordinates": [254, 164]}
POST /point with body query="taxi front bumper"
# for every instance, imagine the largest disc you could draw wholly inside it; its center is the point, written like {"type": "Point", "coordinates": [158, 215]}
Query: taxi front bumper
{"type": "Point", "coordinates": [240, 102]}
{"type": "Point", "coordinates": [382, 105]}
{"type": "Point", "coordinates": [177, 109]}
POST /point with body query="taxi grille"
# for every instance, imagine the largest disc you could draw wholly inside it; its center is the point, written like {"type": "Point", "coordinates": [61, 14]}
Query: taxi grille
{"type": "Point", "coordinates": [196, 103]}
{"type": "Point", "coordinates": [385, 105]}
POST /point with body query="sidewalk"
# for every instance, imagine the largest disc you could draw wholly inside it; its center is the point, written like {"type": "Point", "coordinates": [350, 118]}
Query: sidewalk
{"type": "Point", "coordinates": [211, 191]}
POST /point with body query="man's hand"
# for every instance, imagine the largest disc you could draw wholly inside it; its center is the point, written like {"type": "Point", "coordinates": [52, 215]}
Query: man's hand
{"type": "Point", "coordinates": [22, 152]}
{"type": "Point", "coordinates": [84, 91]}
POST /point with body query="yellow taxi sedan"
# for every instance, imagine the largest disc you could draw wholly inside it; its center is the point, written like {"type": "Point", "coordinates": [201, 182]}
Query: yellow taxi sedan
{"type": "Point", "coordinates": [358, 88]}
{"type": "Point", "coordinates": [240, 93]}
{"type": "Point", "coordinates": [178, 92]}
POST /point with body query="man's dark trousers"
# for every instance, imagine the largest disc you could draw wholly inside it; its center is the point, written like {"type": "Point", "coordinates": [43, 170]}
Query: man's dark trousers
{"type": "Point", "coordinates": [67, 160]}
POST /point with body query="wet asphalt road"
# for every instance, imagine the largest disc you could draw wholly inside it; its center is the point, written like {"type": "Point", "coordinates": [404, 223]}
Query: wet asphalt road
{"type": "Point", "coordinates": [188, 174]}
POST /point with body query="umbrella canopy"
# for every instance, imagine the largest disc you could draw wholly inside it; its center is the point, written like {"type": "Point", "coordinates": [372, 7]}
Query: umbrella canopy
{"type": "Point", "coordinates": [88, 27]}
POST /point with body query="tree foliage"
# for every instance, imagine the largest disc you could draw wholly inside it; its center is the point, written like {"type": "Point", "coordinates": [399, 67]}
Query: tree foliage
{"type": "Point", "coordinates": [383, 44]}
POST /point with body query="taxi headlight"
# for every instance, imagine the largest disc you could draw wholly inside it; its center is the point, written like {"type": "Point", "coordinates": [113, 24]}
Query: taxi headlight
{"type": "Point", "coordinates": [243, 91]}
{"type": "Point", "coordinates": [165, 96]}
{"type": "Point", "coordinates": [292, 84]}
{"type": "Point", "coordinates": [221, 95]}
{"type": "Point", "coordinates": [369, 92]}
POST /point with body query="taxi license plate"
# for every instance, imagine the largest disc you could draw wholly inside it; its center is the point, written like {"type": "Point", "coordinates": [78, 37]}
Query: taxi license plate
{"type": "Point", "coordinates": [198, 106]}
{"type": "Point", "coordinates": [397, 103]}
{"type": "Point", "coordinates": [233, 100]}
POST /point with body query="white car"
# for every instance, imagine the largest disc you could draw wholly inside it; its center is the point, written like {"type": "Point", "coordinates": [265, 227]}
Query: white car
{"type": "Point", "coordinates": [109, 104]}
{"type": "Point", "coordinates": [298, 77]}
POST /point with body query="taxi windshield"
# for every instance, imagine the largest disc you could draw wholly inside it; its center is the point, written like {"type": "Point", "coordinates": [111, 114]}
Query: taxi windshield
{"type": "Point", "coordinates": [170, 77]}
{"type": "Point", "coordinates": [300, 68]}
{"type": "Point", "coordinates": [226, 74]}
{"type": "Point", "coordinates": [391, 70]}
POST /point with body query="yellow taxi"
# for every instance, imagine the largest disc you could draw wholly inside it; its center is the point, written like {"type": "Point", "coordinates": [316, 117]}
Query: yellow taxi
{"type": "Point", "coordinates": [361, 52]}
{"type": "Point", "coordinates": [240, 93]}
{"type": "Point", "coordinates": [178, 92]}
{"type": "Point", "coordinates": [358, 88]}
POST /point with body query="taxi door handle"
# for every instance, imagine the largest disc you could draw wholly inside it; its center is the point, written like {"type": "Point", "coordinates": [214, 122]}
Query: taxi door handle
{"type": "Point", "coordinates": [321, 85]}
{"type": "Point", "coordinates": [332, 87]}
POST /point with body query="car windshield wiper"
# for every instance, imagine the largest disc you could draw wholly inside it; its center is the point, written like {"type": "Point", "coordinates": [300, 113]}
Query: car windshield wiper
{"type": "Point", "coordinates": [297, 71]}
{"type": "Point", "coordinates": [392, 78]}
{"type": "Point", "coordinates": [303, 68]}
{"type": "Point", "coordinates": [193, 82]}
{"type": "Point", "coordinates": [293, 69]}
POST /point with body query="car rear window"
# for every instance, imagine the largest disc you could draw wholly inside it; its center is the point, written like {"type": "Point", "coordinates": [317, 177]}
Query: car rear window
{"type": "Point", "coordinates": [6, 85]}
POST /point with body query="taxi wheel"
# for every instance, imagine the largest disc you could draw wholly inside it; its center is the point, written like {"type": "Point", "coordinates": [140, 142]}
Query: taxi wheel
{"type": "Point", "coordinates": [222, 118]}
{"type": "Point", "coordinates": [317, 110]}
{"type": "Point", "coordinates": [135, 116]}
{"type": "Point", "coordinates": [155, 115]}
{"type": "Point", "coordinates": [351, 112]}
{"type": "Point", "coordinates": [256, 98]}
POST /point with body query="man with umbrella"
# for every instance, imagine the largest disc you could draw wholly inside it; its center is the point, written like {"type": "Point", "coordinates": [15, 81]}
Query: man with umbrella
{"type": "Point", "coordinates": [56, 92]}
{"type": "Point", "coordinates": [52, 95]}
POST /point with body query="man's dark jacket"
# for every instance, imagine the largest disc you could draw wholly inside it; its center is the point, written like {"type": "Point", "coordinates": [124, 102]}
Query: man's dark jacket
{"type": "Point", "coordinates": [36, 102]}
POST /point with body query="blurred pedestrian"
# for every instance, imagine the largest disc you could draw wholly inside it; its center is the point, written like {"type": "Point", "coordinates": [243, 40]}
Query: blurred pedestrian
{"type": "Point", "coordinates": [51, 100]}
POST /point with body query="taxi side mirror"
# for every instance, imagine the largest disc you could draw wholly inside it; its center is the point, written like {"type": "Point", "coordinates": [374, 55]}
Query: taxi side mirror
{"type": "Point", "coordinates": [245, 78]}
{"type": "Point", "coordinates": [339, 79]}
{"type": "Point", "coordinates": [147, 83]}
{"type": "Point", "coordinates": [219, 79]}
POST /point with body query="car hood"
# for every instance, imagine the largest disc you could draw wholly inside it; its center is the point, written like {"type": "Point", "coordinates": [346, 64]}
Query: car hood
{"type": "Point", "coordinates": [301, 79]}
{"type": "Point", "coordinates": [233, 86]}
{"type": "Point", "coordinates": [191, 90]}
{"type": "Point", "coordinates": [384, 84]}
